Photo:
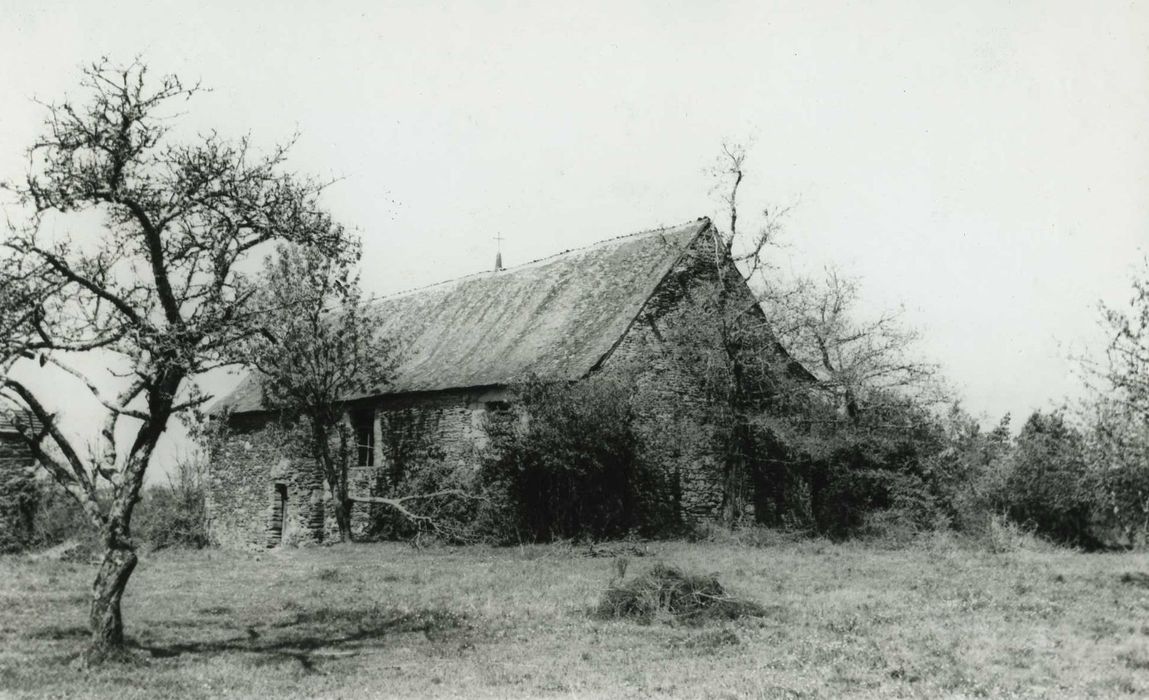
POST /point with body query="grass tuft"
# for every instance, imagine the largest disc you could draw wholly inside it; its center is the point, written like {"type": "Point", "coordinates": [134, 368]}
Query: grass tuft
{"type": "Point", "coordinates": [1135, 578]}
{"type": "Point", "coordinates": [668, 593]}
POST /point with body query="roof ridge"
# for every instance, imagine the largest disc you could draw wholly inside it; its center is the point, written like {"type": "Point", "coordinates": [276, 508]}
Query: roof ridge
{"type": "Point", "coordinates": [568, 251]}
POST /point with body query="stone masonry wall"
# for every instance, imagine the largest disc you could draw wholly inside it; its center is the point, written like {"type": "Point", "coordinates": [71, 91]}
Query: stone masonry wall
{"type": "Point", "coordinates": [441, 431]}
{"type": "Point", "coordinates": [674, 418]}
{"type": "Point", "coordinates": [245, 474]}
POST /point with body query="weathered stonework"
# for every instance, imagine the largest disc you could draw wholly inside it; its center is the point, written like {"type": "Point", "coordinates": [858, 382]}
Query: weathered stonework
{"type": "Point", "coordinates": [262, 495]}
{"type": "Point", "coordinates": [258, 494]}
{"type": "Point", "coordinates": [674, 414]}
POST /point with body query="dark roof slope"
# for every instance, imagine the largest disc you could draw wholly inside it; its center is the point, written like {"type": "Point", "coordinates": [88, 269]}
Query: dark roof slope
{"type": "Point", "coordinates": [555, 318]}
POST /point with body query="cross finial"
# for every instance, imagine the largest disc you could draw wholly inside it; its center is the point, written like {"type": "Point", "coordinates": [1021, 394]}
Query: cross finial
{"type": "Point", "coordinates": [499, 251]}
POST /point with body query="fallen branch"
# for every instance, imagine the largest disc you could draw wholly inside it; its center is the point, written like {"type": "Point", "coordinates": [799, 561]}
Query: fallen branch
{"type": "Point", "coordinates": [419, 519]}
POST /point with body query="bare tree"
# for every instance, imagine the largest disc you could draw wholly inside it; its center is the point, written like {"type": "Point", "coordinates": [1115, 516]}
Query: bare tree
{"type": "Point", "coordinates": [765, 346]}
{"type": "Point", "coordinates": [818, 321]}
{"type": "Point", "coordinates": [732, 345]}
{"type": "Point", "coordinates": [156, 290]}
{"type": "Point", "coordinates": [858, 360]}
{"type": "Point", "coordinates": [318, 346]}
{"type": "Point", "coordinates": [1126, 371]}
{"type": "Point", "coordinates": [1117, 415]}
{"type": "Point", "coordinates": [747, 249]}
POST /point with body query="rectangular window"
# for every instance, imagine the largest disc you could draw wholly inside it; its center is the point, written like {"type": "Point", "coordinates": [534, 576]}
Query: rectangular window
{"type": "Point", "coordinates": [363, 423]}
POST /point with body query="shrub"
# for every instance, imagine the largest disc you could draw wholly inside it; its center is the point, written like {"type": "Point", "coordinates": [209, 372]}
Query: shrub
{"type": "Point", "coordinates": [1117, 449]}
{"type": "Point", "coordinates": [175, 514]}
{"type": "Point", "coordinates": [970, 471]}
{"type": "Point", "coordinates": [574, 468]}
{"type": "Point", "coordinates": [56, 519]}
{"type": "Point", "coordinates": [172, 514]}
{"type": "Point", "coordinates": [18, 501]}
{"type": "Point", "coordinates": [896, 469]}
{"type": "Point", "coordinates": [669, 593]}
{"type": "Point", "coordinates": [1048, 486]}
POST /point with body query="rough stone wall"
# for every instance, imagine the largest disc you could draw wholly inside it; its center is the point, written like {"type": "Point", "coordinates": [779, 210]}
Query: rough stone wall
{"type": "Point", "coordinates": [674, 415]}
{"type": "Point", "coordinates": [442, 431]}
{"type": "Point", "coordinates": [17, 491]}
{"type": "Point", "coordinates": [242, 496]}
{"type": "Point", "coordinates": [440, 437]}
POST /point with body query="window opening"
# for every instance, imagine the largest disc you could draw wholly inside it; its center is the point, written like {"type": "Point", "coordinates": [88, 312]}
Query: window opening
{"type": "Point", "coordinates": [363, 424]}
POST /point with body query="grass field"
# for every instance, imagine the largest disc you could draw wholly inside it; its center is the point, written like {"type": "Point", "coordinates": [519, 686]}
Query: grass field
{"type": "Point", "coordinates": [388, 620]}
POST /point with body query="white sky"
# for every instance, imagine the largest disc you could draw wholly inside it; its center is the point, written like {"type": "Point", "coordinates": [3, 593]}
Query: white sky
{"type": "Point", "coordinates": [983, 163]}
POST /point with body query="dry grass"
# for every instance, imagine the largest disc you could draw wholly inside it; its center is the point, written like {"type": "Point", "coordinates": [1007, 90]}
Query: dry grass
{"type": "Point", "coordinates": [673, 595]}
{"type": "Point", "coordinates": [837, 620]}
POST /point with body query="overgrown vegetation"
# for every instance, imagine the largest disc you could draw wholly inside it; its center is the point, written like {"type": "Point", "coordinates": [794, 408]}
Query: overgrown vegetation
{"type": "Point", "coordinates": [18, 501]}
{"type": "Point", "coordinates": [174, 514]}
{"type": "Point", "coordinates": [316, 344]}
{"type": "Point", "coordinates": [574, 468]}
{"type": "Point", "coordinates": [564, 463]}
{"type": "Point", "coordinates": [171, 514]}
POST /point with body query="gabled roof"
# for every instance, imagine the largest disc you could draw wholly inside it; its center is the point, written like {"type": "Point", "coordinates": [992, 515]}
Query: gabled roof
{"type": "Point", "coordinates": [555, 318]}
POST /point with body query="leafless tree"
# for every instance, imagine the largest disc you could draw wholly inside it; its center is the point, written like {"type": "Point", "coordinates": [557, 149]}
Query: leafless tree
{"type": "Point", "coordinates": [732, 345]}
{"type": "Point", "coordinates": [819, 323]}
{"type": "Point", "coordinates": [768, 345]}
{"type": "Point", "coordinates": [1117, 414]}
{"type": "Point", "coordinates": [1126, 370]}
{"type": "Point", "coordinates": [157, 289]}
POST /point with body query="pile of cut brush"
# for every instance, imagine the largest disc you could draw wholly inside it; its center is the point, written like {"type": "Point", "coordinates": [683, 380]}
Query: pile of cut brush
{"type": "Point", "coordinates": [668, 593]}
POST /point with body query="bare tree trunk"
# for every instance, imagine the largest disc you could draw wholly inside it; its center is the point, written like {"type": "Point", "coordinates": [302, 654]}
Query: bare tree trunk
{"type": "Point", "coordinates": [104, 617]}
{"type": "Point", "coordinates": [734, 491]}
{"type": "Point", "coordinates": [343, 515]}
{"type": "Point", "coordinates": [335, 473]}
{"type": "Point", "coordinates": [735, 497]}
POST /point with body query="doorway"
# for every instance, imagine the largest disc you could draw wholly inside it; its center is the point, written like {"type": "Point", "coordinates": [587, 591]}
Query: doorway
{"type": "Point", "coordinates": [278, 525]}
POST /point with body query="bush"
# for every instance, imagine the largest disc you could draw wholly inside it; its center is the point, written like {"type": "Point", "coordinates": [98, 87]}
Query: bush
{"type": "Point", "coordinates": [167, 515]}
{"type": "Point", "coordinates": [175, 514]}
{"type": "Point", "coordinates": [878, 461]}
{"type": "Point", "coordinates": [19, 494]}
{"type": "Point", "coordinates": [669, 593]}
{"type": "Point", "coordinates": [1118, 453]}
{"type": "Point", "coordinates": [895, 470]}
{"type": "Point", "coordinates": [564, 463]}
{"type": "Point", "coordinates": [574, 469]}
{"type": "Point", "coordinates": [1048, 486]}
{"type": "Point", "coordinates": [55, 518]}
{"type": "Point", "coordinates": [969, 472]}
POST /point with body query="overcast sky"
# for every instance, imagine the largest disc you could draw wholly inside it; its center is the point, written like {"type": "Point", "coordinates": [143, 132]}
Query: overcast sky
{"type": "Point", "coordinates": [983, 163]}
